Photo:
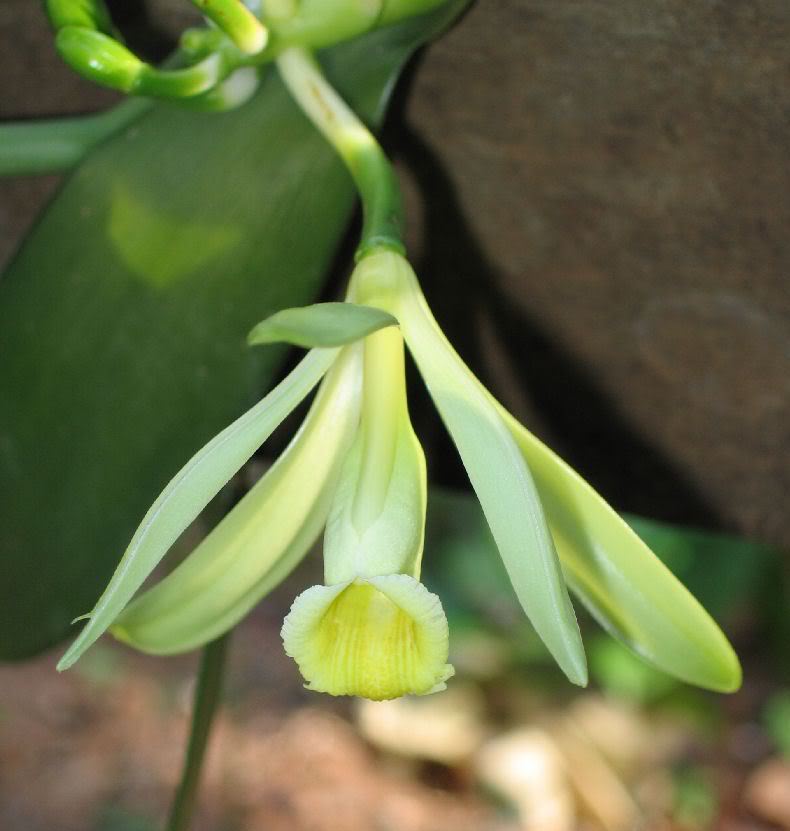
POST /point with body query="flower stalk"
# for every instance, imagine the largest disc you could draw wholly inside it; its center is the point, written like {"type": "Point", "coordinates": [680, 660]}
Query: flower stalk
{"type": "Point", "coordinates": [382, 227]}
{"type": "Point", "coordinates": [208, 692]}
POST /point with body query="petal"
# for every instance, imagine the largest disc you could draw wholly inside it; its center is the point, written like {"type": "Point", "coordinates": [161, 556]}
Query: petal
{"type": "Point", "coordinates": [190, 491]}
{"type": "Point", "coordinates": [631, 593]}
{"type": "Point", "coordinates": [262, 539]}
{"type": "Point", "coordinates": [393, 542]}
{"type": "Point", "coordinates": [377, 522]}
{"type": "Point", "coordinates": [322, 324]}
{"type": "Point", "coordinates": [379, 638]}
{"type": "Point", "coordinates": [494, 463]}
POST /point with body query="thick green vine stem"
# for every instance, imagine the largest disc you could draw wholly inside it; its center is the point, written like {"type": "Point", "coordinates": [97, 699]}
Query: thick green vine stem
{"type": "Point", "coordinates": [207, 697]}
{"type": "Point", "coordinates": [382, 226]}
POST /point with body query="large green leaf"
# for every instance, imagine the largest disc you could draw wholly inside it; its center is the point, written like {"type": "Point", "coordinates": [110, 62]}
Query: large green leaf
{"type": "Point", "coordinates": [123, 319]}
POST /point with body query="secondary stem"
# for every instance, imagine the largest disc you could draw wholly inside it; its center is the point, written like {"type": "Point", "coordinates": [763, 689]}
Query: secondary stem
{"type": "Point", "coordinates": [366, 161]}
{"type": "Point", "coordinates": [207, 697]}
{"type": "Point", "coordinates": [55, 145]}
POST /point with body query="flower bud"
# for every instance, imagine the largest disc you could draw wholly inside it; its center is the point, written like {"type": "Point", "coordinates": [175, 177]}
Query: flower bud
{"type": "Point", "coordinates": [89, 14]}
{"type": "Point", "coordinates": [99, 58]}
{"type": "Point", "coordinates": [238, 23]}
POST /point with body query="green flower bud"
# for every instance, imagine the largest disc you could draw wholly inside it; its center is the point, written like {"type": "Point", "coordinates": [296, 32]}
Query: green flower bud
{"type": "Point", "coordinates": [99, 58]}
{"type": "Point", "coordinates": [89, 14]}
{"type": "Point", "coordinates": [238, 23]}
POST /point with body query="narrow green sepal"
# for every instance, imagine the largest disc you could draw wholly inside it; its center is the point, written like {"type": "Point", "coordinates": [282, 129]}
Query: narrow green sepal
{"type": "Point", "coordinates": [191, 489]}
{"type": "Point", "coordinates": [322, 324]}
{"type": "Point", "coordinates": [625, 587]}
{"type": "Point", "coordinates": [496, 467]}
{"type": "Point", "coordinates": [261, 540]}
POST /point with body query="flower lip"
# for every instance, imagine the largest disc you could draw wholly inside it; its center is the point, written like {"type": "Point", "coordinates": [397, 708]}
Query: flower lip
{"type": "Point", "coordinates": [377, 638]}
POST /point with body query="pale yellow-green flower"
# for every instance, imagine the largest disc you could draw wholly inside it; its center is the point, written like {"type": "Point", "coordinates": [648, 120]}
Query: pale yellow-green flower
{"type": "Point", "coordinates": [357, 469]}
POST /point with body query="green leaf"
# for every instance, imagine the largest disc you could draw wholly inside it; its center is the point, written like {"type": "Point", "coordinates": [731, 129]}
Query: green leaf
{"type": "Point", "coordinates": [322, 324]}
{"type": "Point", "coordinates": [191, 489]}
{"type": "Point", "coordinates": [123, 318]}
{"type": "Point", "coordinates": [261, 540]}
{"type": "Point", "coordinates": [498, 474]}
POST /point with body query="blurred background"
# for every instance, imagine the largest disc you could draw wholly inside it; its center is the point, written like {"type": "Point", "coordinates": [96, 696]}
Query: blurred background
{"type": "Point", "coordinates": [599, 198]}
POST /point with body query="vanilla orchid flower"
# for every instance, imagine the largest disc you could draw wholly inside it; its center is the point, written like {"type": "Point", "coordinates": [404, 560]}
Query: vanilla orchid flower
{"type": "Point", "coordinates": [356, 469]}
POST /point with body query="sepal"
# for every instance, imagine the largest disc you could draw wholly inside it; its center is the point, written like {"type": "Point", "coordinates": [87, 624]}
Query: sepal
{"type": "Point", "coordinates": [261, 540]}
{"type": "Point", "coordinates": [191, 489]}
{"type": "Point", "coordinates": [322, 324]}
{"type": "Point", "coordinates": [496, 467]}
{"type": "Point", "coordinates": [625, 587]}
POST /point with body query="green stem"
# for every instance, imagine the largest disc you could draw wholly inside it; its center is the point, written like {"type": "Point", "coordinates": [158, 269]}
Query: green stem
{"type": "Point", "coordinates": [366, 161]}
{"type": "Point", "coordinates": [207, 696]}
{"type": "Point", "coordinates": [55, 145]}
